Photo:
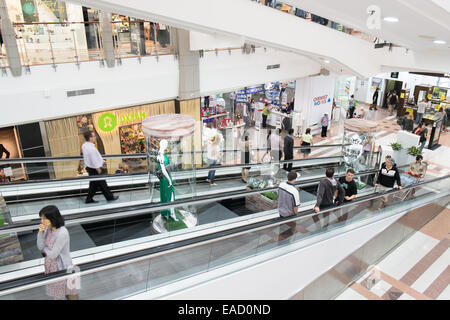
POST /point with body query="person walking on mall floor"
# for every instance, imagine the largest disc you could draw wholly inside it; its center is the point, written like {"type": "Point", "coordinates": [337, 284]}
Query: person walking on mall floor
{"type": "Point", "coordinates": [351, 106]}
{"type": "Point", "coordinates": [288, 150]}
{"type": "Point", "coordinates": [324, 122]}
{"type": "Point", "coordinates": [421, 106]}
{"type": "Point", "coordinates": [246, 112]}
{"type": "Point", "coordinates": [213, 157]}
{"type": "Point", "coordinates": [444, 119]}
{"type": "Point", "coordinates": [288, 203]}
{"type": "Point", "coordinates": [374, 99]}
{"type": "Point", "coordinates": [265, 114]}
{"type": "Point", "coordinates": [53, 241]}
{"type": "Point", "coordinates": [407, 122]}
{"type": "Point", "coordinates": [94, 163]}
{"type": "Point", "coordinates": [388, 175]}
{"type": "Point", "coordinates": [233, 101]}
{"type": "Point", "coordinates": [392, 102]}
{"type": "Point", "coordinates": [252, 110]}
{"type": "Point", "coordinates": [306, 143]}
{"type": "Point", "coordinates": [4, 151]}
{"type": "Point", "coordinates": [276, 145]}
{"type": "Point", "coordinates": [421, 131]}
{"type": "Point", "coordinates": [246, 157]}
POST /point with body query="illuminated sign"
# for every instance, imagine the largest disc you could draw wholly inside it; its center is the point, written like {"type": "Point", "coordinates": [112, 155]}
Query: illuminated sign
{"type": "Point", "coordinates": [321, 100]}
{"type": "Point", "coordinates": [108, 121]}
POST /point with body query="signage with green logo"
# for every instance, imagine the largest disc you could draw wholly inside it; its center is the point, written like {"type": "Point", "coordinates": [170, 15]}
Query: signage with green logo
{"type": "Point", "coordinates": [28, 8]}
{"type": "Point", "coordinates": [108, 121]}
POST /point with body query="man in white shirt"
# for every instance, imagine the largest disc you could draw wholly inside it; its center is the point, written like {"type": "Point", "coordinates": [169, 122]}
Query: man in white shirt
{"type": "Point", "coordinates": [420, 110]}
{"type": "Point", "coordinates": [276, 145]}
{"type": "Point", "coordinates": [94, 162]}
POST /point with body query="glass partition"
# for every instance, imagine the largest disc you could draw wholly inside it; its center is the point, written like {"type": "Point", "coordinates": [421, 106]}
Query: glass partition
{"type": "Point", "coordinates": [120, 279]}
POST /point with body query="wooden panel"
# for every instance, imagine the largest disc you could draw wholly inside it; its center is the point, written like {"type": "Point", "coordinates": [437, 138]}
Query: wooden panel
{"type": "Point", "coordinates": [192, 108]}
{"type": "Point", "coordinates": [64, 141]}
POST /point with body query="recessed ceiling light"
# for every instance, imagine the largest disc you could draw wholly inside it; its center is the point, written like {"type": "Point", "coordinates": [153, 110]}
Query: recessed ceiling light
{"type": "Point", "coordinates": [391, 19]}
{"type": "Point", "coordinates": [326, 61]}
{"type": "Point", "coordinates": [439, 41]}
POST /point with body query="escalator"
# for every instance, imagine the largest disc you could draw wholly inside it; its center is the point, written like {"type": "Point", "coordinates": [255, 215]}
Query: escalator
{"type": "Point", "coordinates": [169, 258]}
{"type": "Point", "coordinates": [218, 243]}
{"type": "Point", "coordinates": [109, 230]}
{"type": "Point", "coordinates": [25, 199]}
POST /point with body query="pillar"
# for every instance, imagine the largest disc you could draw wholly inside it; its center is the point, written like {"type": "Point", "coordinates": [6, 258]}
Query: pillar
{"type": "Point", "coordinates": [107, 38]}
{"type": "Point", "coordinates": [188, 66]}
{"type": "Point", "coordinates": [9, 38]}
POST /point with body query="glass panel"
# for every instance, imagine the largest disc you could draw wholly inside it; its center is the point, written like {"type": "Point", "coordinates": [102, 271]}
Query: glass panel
{"type": "Point", "coordinates": [178, 265]}
{"type": "Point", "coordinates": [234, 249]}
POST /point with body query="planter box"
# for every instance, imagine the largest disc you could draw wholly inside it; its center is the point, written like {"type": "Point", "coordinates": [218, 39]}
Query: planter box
{"type": "Point", "coordinates": [258, 203]}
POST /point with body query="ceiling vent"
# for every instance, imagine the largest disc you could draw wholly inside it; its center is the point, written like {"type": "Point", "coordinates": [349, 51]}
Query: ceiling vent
{"type": "Point", "coordinates": [273, 66]}
{"type": "Point", "coordinates": [82, 92]}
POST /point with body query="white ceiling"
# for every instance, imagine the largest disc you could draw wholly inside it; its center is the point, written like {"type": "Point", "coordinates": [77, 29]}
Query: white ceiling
{"type": "Point", "coordinates": [420, 21]}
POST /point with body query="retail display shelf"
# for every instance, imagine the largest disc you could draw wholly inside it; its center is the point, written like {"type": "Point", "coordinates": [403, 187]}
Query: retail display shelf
{"type": "Point", "coordinates": [215, 116]}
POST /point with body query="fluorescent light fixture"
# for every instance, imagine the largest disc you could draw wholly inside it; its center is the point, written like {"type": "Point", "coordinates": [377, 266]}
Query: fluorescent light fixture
{"type": "Point", "coordinates": [390, 19]}
{"type": "Point", "coordinates": [326, 61]}
{"type": "Point", "coordinates": [439, 42]}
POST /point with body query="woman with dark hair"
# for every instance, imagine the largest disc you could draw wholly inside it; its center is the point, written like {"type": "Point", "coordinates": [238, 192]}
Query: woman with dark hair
{"type": "Point", "coordinates": [54, 243]}
{"type": "Point", "coordinates": [306, 143]}
{"type": "Point", "coordinates": [246, 157]}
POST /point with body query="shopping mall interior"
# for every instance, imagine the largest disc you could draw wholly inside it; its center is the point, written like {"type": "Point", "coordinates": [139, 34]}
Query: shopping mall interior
{"type": "Point", "coordinates": [146, 150]}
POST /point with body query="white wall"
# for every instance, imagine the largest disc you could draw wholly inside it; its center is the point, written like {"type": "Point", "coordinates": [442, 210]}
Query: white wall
{"type": "Point", "coordinates": [205, 41]}
{"type": "Point", "coordinates": [41, 95]}
{"type": "Point", "coordinates": [23, 99]}
{"type": "Point", "coordinates": [225, 72]}
{"type": "Point", "coordinates": [306, 90]}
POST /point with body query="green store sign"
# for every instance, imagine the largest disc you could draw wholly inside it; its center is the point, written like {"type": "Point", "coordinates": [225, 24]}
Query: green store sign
{"type": "Point", "coordinates": [108, 121]}
{"type": "Point", "coordinates": [28, 8]}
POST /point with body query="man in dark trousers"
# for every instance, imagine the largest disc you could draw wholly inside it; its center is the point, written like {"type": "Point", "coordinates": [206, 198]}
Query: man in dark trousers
{"type": "Point", "coordinates": [288, 203]}
{"type": "Point", "coordinates": [374, 99]}
{"type": "Point", "coordinates": [324, 123]}
{"type": "Point", "coordinates": [94, 163]}
{"type": "Point", "coordinates": [288, 150]}
{"type": "Point", "coordinates": [3, 151]}
{"type": "Point", "coordinates": [329, 194]}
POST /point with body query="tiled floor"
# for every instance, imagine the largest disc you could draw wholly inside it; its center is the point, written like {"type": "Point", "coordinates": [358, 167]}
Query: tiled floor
{"type": "Point", "coordinates": [417, 270]}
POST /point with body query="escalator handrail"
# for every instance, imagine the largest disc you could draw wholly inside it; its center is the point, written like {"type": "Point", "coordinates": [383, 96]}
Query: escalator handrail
{"type": "Point", "coordinates": [140, 255]}
{"type": "Point", "coordinates": [122, 212]}
{"type": "Point", "coordinates": [106, 176]}
{"type": "Point", "coordinates": [138, 155]}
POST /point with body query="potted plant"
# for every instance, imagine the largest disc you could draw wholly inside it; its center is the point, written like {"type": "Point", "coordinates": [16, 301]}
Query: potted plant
{"type": "Point", "coordinates": [396, 148]}
{"type": "Point", "coordinates": [413, 152]}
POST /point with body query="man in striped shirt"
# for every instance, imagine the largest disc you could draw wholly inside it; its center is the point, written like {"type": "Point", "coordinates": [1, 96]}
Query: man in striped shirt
{"type": "Point", "coordinates": [288, 203]}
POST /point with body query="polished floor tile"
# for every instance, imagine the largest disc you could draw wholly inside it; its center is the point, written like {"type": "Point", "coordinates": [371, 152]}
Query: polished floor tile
{"type": "Point", "coordinates": [403, 258]}
{"type": "Point", "coordinates": [430, 275]}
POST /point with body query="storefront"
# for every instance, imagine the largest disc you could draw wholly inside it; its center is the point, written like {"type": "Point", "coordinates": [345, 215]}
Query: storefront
{"type": "Point", "coordinates": [226, 111]}
{"type": "Point", "coordinates": [117, 131]}
{"type": "Point", "coordinates": [11, 149]}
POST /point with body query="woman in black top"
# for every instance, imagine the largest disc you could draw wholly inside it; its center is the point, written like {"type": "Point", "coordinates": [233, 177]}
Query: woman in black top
{"type": "Point", "coordinates": [246, 157]}
{"type": "Point", "coordinates": [387, 176]}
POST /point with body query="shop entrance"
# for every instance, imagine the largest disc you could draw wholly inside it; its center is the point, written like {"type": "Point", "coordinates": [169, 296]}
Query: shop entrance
{"type": "Point", "coordinates": [391, 85]}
